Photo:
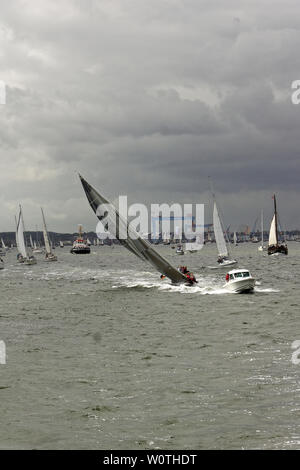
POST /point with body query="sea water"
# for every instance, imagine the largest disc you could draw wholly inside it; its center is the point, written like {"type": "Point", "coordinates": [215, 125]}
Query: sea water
{"type": "Point", "coordinates": [102, 354]}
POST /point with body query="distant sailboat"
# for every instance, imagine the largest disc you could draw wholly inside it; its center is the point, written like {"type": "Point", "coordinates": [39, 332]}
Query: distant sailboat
{"type": "Point", "coordinates": [193, 247]}
{"type": "Point", "coordinates": [223, 252]}
{"type": "Point", "coordinates": [235, 242]}
{"type": "Point", "coordinates": [23, 255]}
{"type": "Point", "coordinates": [166, 239]}
{"type": "Point", "coordinates": [36, 245]}
{"type": "Point", "coordinates": [31, 242]}
{"type": "Point", "coordinates": [179, 250]}
{"type": "Point", "coordinates": [61, 244]}
{"type": "Point", "coordinates": [274, 246]}
{"type": "Point", "coordinates": [2, 253]}
{"type": "Point", "coordinates": [49, 254]}
{"type": "Point", "coordinates": [262, 247]}
{"type": "Point", "coordinates": [3, 249]}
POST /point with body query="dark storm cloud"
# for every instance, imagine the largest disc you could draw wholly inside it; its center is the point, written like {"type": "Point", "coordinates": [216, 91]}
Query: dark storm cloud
{"type": "Point", "coordinates": [148, 98]}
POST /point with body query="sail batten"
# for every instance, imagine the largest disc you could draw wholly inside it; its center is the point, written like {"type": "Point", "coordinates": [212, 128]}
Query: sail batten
{"type": "Point", "coordinates": [133, 242]}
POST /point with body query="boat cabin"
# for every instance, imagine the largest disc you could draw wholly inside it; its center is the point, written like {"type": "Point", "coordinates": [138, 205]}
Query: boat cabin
{"type": "Point", "coordinates": [237, 274]}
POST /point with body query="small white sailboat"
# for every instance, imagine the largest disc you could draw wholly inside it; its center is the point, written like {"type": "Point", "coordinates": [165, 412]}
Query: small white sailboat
{"type": "Point", "coordinates": [166, 239]}
{"type": "Point", "coordinates": [49, 254]}
{"type": "Point", "coordinates": [179, 250]}
{"type": "Point", "coordinates": [274, 247]}
{"type": "Point", "coordinates": [31, 242]}
{"type": "Point", "coordinates": [24, 255]}
{"type": "Point", "coordinates": [61, 244]}
{"type": "Point", "coordinates": [3, 253]}
{"type": "Point", "coordinates": [235, 242]}
{"type": "Point", "coordinates": [239, 281]}
{"type": "Point", "coordinates": [3, 248]}
{"type": "Point", "coordinates": [193, 247]}
{"type": "Point", "coordinates": [223, 252]}
{"type": "Point", "coordinates": [262, 247]}
{"type": "Point", "coordinates": [36, 246]}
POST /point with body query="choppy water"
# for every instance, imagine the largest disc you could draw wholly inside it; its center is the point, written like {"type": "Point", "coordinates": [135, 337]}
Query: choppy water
{"type": "Point", "coordinates": [101, 354]}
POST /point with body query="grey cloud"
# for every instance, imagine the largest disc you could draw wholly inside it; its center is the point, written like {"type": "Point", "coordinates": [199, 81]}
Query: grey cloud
{"type": "Point", "coordinates": [148, 99]}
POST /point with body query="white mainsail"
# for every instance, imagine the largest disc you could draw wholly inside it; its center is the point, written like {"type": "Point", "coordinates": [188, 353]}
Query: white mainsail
{"type": "Point", "coordinates": [46, 238]}
{"type": "Point", "coordinates": [3, 244]}
{"type": "Point", "coordinates": [273, 234]}
{"type": "Point", "coordinates": [20, 236]}
{"type": "Point", "coordinates": [219, 234]}
{"type": "Point", "coordinates": [31, 242]}
{"type": "Point", "coordinates": [235, 238]}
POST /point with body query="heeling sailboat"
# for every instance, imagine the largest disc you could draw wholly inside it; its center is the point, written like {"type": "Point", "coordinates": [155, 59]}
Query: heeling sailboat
{"type": "Point", "coordinates": [274, 246]}
{"type": "Point", "coordinates": [133, 242]}
{"type": "Point", "coordinates": [49, 255]}
{"type": "Point", "coordinates": [223, 252]}
{"type": "Point", "coordinates": [24, 254]}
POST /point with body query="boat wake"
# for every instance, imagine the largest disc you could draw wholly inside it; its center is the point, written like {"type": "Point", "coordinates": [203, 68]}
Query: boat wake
{"type": "Point", "coordinates": [147, 280]}
{"type": "Point", "coordinates": [131, 279]}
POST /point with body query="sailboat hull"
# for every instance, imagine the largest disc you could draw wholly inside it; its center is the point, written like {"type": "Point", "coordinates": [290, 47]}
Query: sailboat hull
{"type": "Point", "coordinates": [50, 258]}
{"type": "Point", "coordinates": [241, 286]}
{"type": "Point", "coordinates": [80, 250]}
{"type": "Point", "coordinates": [29, 261]}
{"type": "Point", "coordinates": [225, 264]}
{"type": "Point", "coordinates": [274, 249]}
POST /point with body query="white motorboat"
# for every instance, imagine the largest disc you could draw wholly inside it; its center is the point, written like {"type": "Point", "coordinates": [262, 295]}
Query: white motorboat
{"type": "Point", "coordinates": [239, 281]}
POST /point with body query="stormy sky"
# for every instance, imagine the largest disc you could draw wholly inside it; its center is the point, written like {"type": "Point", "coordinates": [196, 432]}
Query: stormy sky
{"type": "Point", "coordinates": [148, 98]}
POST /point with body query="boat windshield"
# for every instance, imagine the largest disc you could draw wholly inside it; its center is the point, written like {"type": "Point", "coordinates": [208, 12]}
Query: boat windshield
{"type": "Point", "coordinates": [243, 274]}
